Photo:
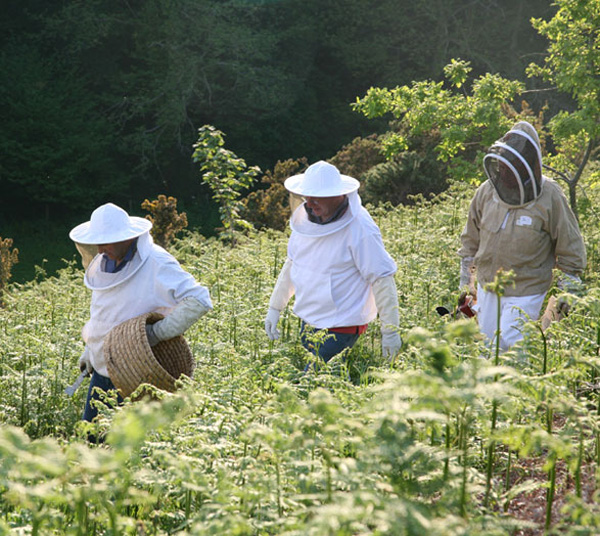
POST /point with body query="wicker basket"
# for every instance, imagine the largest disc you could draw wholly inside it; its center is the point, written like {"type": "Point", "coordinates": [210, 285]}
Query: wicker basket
{"type": "Point", "coordinates": [131, 361]}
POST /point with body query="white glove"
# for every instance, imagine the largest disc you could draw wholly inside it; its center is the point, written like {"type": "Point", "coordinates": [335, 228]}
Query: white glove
{"type": "Point", "coordinates": [386, 301]}
{"type": "Point", "coordinates": [466, 271]}
{"type": "Point", "coordinates": [390, 343]}
{"type": "Point", "coordinates": [184, 314]}
{"type": "Point", "coordinates": [282, 292]}
{"type": "Point", "coordinates": [271, 323]}
{"type": "Point", "coordinates": [84, 362]}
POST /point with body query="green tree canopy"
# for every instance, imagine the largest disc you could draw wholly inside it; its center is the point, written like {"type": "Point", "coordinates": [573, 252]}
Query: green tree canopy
{"type": "Point", "coordinates": [572, 66]}
{"type": "Point", "coordinates": [276, 75]}
{"type": "Point", "coordinates": [54, 149]}
{"type": "Point", "coordinates": [467, 120]}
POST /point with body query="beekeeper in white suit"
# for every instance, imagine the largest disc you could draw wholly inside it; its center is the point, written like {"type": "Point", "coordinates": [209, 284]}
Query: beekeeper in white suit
{"type": "Point", "coordinates": [130, 276]}
{"type": "Point", "coordinates": [336, 266]}
{"type": "Point", "coordinates": [518, 220]}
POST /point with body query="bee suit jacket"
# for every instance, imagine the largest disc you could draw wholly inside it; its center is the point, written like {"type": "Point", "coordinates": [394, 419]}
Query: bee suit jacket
{"type": "Point", "coordinates": [334, 266]}
{"type": "Point", "coordinates": [530, 239]}
{"type": "Point", "coordinates": [152, 281]}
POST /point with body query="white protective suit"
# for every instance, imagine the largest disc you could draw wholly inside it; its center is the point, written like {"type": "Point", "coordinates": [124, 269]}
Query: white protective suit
{"type": "Point", "coordinates": [333, 268]}
{"type": "Point", "coordinates": [152, 281]}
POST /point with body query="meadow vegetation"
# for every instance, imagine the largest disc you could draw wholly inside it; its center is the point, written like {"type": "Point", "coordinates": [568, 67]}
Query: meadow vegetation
{"type": "Point", "coordinates": [450, 439]}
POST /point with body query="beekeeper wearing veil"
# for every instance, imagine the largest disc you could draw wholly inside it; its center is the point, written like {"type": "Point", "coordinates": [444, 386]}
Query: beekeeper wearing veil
{"type": "Point", "coordinates": [518, 220]}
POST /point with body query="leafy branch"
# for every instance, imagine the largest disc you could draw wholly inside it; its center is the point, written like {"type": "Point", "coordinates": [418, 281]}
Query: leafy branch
{"type": "Point", "coordinates": [226, 175]}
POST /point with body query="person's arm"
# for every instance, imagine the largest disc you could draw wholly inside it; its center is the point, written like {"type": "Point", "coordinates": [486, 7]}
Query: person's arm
{"type": "Point", "coordinates": [282, 292]}
{"type": "Point", "coordinates": [569, 246]}
{"type": "Point", "coordinates": [182, 317]}
{"type": "Point", "coordinates": [569, 249]}
{"type": "Point", "coordinates": [386, 301]}
{"type": "Point", "coordinates": [85, 363]}
{"type": "Point", "coordinates": [469, 245]}
{"type": "Point", "coordinates": [190, 299]}
{"type": "Point", "coordinates": [466, 272]}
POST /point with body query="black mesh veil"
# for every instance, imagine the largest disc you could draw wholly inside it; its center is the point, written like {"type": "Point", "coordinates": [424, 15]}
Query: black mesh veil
{"type": "Point", "coordinates": [514, 166]}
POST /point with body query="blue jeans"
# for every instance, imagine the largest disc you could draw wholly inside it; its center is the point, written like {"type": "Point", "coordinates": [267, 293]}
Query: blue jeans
{"type": "Point", "coordinates": [102, 382]}
{"type": "Point", "coordinates": [331, 346]}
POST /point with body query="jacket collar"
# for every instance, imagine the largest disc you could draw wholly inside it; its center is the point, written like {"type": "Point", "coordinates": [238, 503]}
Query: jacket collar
{"type": "Point", "coordinates": [96, 279]}
{"type": "Point", "coordinates": [299, 222]}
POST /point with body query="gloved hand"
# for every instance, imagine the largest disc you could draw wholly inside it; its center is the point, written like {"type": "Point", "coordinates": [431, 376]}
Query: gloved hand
{"type": "Point", "coordinates": [85, 363]}
{"type": "Point", "coordinates": [271, 321]}
{"type": "Point", "coordinates": [390, 343]}
{"type": "Point", "coordinates": [466, 301]}
{"type": "Point", "coordinates": [466, 271]}
{"type": "Point", "coordinates": [386, 301]}
{"type": "Point", "coordinates": [152, 339]}
{"type": "Point", "coordinates": [282, 292]}
{"type": "Point", "coordinates": [570, 284]}
{"type": "Point", "coordinates": [183, 315]}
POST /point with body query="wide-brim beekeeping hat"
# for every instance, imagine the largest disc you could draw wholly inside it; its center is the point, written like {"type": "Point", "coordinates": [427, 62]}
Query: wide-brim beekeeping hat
{"type": "Point", "coordinates": [321, 179]}
{"type": "Point", "coordinates": [109, 224]}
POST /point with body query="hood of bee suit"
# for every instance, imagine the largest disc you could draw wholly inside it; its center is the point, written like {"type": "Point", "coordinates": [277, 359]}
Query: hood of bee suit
{"type": "Point", "coordinates": [513, 164]}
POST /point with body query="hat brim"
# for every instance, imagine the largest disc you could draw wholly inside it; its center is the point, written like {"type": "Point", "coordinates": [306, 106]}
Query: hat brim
{"type": "Point", "coordinates": [297, 185]}
{"type": "Point", "coordinates": [82, 234]}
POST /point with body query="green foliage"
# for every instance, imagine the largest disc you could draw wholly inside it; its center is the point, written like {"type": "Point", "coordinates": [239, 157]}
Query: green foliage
{"type": "Point", "coordinates": [166, 221]}
{"type": "Point", "coordinates": [9, 256]}
{"type": "Point", "coordinates": [252, 445]}
{"type": "Point", "coordinates": [55, 149]}
{"type": "Point", "coordinates": [271, 207]}
{"type": "Point", "coordinates": [464, 123]}
{"type": "Point", "coordinates": [226, 175]}
{"type": "Point", "coordinates": [457, 72]}
{"type": "Point", "coordinates": [106, 101]}
{"type": "Point", "coordinates": [573, 59]}
{"type": "Point", "coordinates": [468, 121]}
{"type": "Point", "coordinates": [406, 174]}
{"type": "Point", "coordinates": [572, 66]}
{"type": "Point", "coordinates": [359, 156]}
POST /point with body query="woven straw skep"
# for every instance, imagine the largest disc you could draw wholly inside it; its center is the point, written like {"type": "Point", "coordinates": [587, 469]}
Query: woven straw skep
{"type": "Point", "coordinates": [131, 361]}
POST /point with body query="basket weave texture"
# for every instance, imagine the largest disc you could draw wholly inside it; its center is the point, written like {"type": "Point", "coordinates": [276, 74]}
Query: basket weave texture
{"type": "Point", "coordinates": [131, 361]}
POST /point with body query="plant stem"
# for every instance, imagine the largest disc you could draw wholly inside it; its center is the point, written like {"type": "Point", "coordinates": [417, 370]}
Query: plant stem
{"type": "Point", "coordinates": [550, 495]}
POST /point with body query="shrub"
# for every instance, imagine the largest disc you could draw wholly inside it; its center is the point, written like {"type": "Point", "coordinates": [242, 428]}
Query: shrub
{"type": "Point", "coordinates": [359, 156]}
{"type": "Point", "coordinates": [9, 256]}
{"type": "Point", "coordinates": [271, 207]}
{"type": "Point", "coordinates": [395, 180]}
{"type": "Point", "coordinates": [409, 173]}
{"type": "Point", "coordinates": [166, 221]}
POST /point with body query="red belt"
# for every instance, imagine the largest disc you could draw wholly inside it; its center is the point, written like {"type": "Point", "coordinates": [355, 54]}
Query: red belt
{"type": "Point", "coordinates": [356, 330]}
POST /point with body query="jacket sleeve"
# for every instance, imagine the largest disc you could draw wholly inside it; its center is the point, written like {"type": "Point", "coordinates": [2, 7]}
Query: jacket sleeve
{"type": "Point", "coordinates": [470, 236]}
{"type": "Point", "coordinates": [570, 250]}
{"type": "Point", "coordinates": [284, 288]}
{"type": "Point", "coordinates": [370, 256]}
{"type": "Point", "coordinates": [174, 284]}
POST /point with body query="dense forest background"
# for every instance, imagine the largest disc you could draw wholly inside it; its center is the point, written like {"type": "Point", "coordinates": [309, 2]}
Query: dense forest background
{"type": "Point", "coordinates": [101, 100]}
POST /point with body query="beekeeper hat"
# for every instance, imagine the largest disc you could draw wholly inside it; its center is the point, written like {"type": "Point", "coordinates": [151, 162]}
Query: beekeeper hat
{"type": "Point", "coordinates": [109, 224]}
{"type": "Point", "coordinates": [321, 179]}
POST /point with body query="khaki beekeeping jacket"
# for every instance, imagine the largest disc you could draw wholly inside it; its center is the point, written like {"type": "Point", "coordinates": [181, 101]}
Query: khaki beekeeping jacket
{"type": "Point", "coordinates": [152, 280]}
{"type": "Point", "coordinates": [335, 265]}
{"type": "Point", "coordinates": [530, 239]}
